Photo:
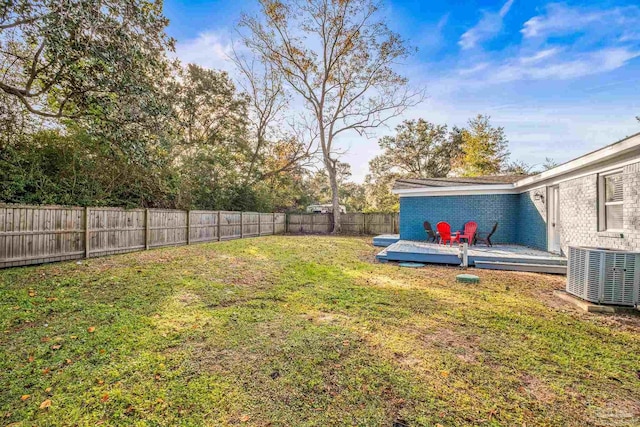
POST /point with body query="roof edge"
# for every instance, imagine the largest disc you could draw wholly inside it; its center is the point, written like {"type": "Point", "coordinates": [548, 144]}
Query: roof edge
{"type": "Point", "coordinates": [629, 143]}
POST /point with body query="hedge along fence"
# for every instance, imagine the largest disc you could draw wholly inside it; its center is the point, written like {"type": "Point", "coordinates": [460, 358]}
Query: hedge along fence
{"type": "Point", "coordinates": [39, 234]}
{"type": "Point", "coordinates": [350, 223]}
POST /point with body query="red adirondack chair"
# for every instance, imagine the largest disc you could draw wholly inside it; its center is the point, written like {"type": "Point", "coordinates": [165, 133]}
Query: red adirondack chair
{"type": "Point", "coordinates": [445, 233]}
{"type": "Point", "coordinates": [469, 232]}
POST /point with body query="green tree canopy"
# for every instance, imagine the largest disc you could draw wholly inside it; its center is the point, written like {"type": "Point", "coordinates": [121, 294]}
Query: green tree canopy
{"type": "Point", "coordinates": [419, 149]}
{"type": "Point", "coordinates": [66, 58]}
{"type": "Point", "coordinates": [484, 149]}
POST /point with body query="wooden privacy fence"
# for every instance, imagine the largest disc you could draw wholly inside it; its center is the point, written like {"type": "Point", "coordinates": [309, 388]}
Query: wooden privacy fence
{"type": "Point", "coordinates": [350, 223]}
{"type": "Point", "coordinates": [39, 234]}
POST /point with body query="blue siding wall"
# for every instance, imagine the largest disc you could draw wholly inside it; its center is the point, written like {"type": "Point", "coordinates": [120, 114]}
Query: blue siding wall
{"type": "Point", "coordinates": [456, 210]}
{"type": "Point", "coordinates": [532, 227]}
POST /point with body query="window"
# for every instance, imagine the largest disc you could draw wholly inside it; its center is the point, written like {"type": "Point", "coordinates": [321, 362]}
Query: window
{"type": "Point", "coordinates": [610, 201]}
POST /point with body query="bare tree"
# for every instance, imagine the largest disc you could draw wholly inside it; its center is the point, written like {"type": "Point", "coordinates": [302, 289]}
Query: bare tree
{"type": "Point", "coordinates": [268, 101]}
{"type": "Point", "coordinates": [338, 57]}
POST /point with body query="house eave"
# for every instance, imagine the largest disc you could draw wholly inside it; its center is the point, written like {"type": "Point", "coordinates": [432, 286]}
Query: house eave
{"type": "Point", "coordinates": [463, 190]}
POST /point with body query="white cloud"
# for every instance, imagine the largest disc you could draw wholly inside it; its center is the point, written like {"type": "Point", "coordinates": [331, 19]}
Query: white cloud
{"type": "Point", "coordinates": [598, 41]}
{"type": "Point", "coordinates": [565, 68]}
{"type": "Point", "coordinates": [543, 65]}
{"type": "Point", "coordinates": [489, 26]}
{"type": "Point", "coordinates": [560, 19]}
{"type": "Point", "coordinates": [539, 56]}
{"type": "Point", "coordinates": [630, 36]}
{"type": "Point", "coordinates": [210, 49]}
{"type": "Point", "coordinates": [474, 69]}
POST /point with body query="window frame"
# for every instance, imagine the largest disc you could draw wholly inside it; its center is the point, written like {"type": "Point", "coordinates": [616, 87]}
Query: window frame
{"type": "Point", "coordinates": [602, 201]}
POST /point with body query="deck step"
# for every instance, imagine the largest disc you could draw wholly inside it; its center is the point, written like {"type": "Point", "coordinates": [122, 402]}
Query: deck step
{"type": "Point", "coordinates": [522, 266]}
{"type": "Point", "coordinates": [385, 240]}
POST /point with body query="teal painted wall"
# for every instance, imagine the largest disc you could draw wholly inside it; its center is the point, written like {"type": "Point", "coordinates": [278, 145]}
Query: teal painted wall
{"type": "Point", "coordinates": [520, 220]}
{"type": "Point", "coordinates": [456, 210]}
{"type": "Point", "coordinates": [532, 225]}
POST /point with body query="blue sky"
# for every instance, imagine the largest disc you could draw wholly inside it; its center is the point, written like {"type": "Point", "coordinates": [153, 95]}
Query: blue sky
{"type": "Point", "coordinates": [562, 78]}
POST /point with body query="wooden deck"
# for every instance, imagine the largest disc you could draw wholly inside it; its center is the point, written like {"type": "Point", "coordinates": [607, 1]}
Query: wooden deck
{"type": "Point", "coordinates": [499, 257]}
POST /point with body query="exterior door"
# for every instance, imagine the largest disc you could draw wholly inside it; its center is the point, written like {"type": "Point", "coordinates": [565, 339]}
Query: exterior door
{"type": "Point", "coordinates": [553, 219]}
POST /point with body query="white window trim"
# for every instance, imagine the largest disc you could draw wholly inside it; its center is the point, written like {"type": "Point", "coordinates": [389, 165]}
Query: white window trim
{"type": "Point", "coordinates": [602, 203]}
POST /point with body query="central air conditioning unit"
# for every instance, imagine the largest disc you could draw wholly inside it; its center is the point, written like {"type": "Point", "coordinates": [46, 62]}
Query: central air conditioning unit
{"type": "Point", "coordinates": [604, 276]}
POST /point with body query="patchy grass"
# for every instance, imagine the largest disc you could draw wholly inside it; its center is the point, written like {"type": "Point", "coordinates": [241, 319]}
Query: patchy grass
{"type": "Point", "coordinates": [304, 331]}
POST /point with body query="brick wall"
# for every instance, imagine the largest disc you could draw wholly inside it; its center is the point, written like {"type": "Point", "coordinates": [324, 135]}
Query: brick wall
{"type": "Point", "coordinates": [456, 210]}
{"type": "Point", "coordinates": [532, 219]}
{"type": "Point", "coordinates": [579, 213]}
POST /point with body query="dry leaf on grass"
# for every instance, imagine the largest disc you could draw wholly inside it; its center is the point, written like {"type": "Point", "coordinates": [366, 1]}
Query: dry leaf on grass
{"type": "Point", "coordinates": [46, 404]}
{"type": "Point", "coordinates": [91, 329]}
{"type": "Point", "coordinates": [25, 397]}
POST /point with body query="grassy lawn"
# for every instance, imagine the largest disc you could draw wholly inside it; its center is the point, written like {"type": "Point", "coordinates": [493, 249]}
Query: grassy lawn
{"type": "Point", "coordinates": [303, 331]}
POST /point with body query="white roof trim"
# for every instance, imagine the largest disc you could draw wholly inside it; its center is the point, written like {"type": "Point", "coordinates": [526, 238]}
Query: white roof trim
{"type": "Point", "coordinates": [460, 190]}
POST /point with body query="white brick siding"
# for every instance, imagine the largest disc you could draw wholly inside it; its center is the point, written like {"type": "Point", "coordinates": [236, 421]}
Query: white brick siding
{"type": "Point", "coordinates": [579, 213]}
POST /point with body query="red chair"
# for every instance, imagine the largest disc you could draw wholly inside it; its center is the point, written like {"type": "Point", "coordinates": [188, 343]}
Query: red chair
{"type": "Point", "coordinates": [445, 233]}
{"type": "Point", "coordinates": [469, 232]}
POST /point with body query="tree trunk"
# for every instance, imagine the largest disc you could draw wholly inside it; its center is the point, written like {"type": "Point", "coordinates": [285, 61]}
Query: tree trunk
{"type": "Point", "coordinates": [333, 181]}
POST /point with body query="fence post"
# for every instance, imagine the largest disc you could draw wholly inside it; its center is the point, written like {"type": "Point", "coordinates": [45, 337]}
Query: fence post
{"type": "Point", "coordinates": [312, 228]}
{"type": "Point", "coordinates": [241, 225]}
{"type": "Point", "coordinates": [364, 223]}
{"type": "Point", "coordinates": [286, 222]}
{"type": "Point", "coordinates": [259, 224]}
{"type": "Point", "coordinates": [219, 226]}
{"type": "Point", "coordinates": [147, 230]}
{"type": "Point", "coordinates": [188, 227]}
{"type": "Point", "coordinates": [87, 217]}
{"type": "Point", "coordinates": [273, 218]}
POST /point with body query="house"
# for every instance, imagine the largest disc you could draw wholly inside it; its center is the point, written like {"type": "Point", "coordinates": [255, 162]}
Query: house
{"type": "Point", "coordinates": [325, 208]}
{"type": "Point", "coordinates": [593, 200]}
